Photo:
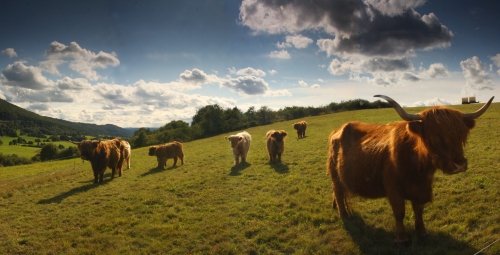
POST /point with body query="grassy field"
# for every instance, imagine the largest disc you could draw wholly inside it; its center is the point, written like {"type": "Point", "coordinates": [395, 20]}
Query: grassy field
{"type": "Point", "coordinates": [25, 151]}
{"type": "Point", "coordinates": [207, 206]}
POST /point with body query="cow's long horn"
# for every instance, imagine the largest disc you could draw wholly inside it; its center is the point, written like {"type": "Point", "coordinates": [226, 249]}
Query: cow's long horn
{"type": "Point", "coordinates": [479, 112]}
{"type": "Point", "coordinates": [402, 113]}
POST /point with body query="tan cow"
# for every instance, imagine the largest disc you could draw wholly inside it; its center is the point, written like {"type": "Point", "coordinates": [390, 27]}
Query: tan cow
{"type": "Point", "coordinates": [240, 144]}
{"type": "Point", "coordinates": [166, 151]}
{"type": "Point", "coordinates": [275, 144]}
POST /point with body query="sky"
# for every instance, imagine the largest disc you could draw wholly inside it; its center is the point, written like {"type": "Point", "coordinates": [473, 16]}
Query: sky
{"type": "Point", "coordinates": [146, 63]}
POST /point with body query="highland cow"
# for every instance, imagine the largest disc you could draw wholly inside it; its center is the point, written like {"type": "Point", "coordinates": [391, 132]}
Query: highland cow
{"type": "Point", "coordinates": [166, 151]}
{"type": "Point", "coordinates": [301, 128]}
{"type": "Point", "coordinates": [398, 160]}
{"type": "Point", "coordinates": [275, 145]}
{"type": "Point", "coordinates": [101, 154]}
{"type": "Point", "coordinates": [240, 144]}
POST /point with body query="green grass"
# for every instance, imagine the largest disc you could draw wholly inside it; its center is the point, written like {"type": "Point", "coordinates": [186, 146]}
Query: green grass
{"type": "Point", "coordinates": [25, 151]}
{"type": "Point", "coordinates": [207, 206]}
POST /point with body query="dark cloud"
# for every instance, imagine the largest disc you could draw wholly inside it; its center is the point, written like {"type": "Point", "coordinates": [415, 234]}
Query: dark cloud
{"type": "Point", "coordinates": [387, 65]}
{"type": "Point", "coordinates": [73, 84]}
{"type": "Point", "coordinates": [360, 28]}
{"type": "Point", "coordinates": [196, 76]}
{"type": "Point", "coordinates": [38, 107]}
{"type": "Point", "coordinates": [410, 77]}
{"type": "Point", "coordinates": [249, 85]}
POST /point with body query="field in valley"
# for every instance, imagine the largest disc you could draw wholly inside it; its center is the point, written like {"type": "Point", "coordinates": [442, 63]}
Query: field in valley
{"type": "Point", "coordinates": [207, 206]}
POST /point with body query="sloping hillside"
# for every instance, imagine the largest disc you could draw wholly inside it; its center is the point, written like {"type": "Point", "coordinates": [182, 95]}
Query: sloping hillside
{"type": "Point", "coordinates": [207, 206]}
{"type": "Point", "coordinates": [14, 117]}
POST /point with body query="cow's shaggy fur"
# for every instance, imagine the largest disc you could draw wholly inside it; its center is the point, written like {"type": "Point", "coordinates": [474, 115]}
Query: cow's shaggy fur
{"type": "Point", "coordinates": [240, 144]}
{"type": "Point", "coordinates": [275, 145]}
{"type": "Point", "coordinates": [398, 160]}
{"type": "Point", "coordinates": [125, 151]}
{"type": "Point", "coordinates": [166, 151]}
{"type": "Point", "coordinates": [301, 128]}
{"type": "Point", "coordinates": [101, 154]}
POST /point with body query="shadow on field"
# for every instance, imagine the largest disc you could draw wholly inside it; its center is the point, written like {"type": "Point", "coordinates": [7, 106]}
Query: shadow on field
{"type": "Point", "coordinates": [280, 168]}
{"type": "Point", "coordinates": [235, 170]}
{"type": "Point", "coordinates": [372, 240]}
{"type": "Point", "coordinates": [59, 198]}
{"type": "Point", "coordinates": [157, 170]}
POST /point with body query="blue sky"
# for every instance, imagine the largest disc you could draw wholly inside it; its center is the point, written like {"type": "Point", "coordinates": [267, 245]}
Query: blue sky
{"type": "Point", "coordinates": [146, 63]}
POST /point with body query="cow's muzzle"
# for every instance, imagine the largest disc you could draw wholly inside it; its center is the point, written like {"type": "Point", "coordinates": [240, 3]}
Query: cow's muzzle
{"type": "Point", "coordinates": [459, 168]}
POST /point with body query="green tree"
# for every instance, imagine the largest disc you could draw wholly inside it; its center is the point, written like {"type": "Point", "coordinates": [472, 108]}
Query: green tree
{"type": "Point", "coordinates": [210, 120]}
{"type": "Point", "coordinates": [141, 140]}
{"type": "Point", "coordinates": [48, 152]}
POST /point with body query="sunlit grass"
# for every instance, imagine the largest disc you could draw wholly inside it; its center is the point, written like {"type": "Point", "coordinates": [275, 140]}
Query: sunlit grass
{"type": "Point", "coordinates": [207, 206]}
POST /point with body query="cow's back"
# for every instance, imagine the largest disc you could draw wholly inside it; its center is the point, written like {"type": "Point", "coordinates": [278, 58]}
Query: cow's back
{"type": "Point", "coordinates": [359, 153]}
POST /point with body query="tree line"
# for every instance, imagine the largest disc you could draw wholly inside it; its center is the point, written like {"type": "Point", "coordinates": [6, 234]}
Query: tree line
{"type": "Point", "coordinates": [213, 120]}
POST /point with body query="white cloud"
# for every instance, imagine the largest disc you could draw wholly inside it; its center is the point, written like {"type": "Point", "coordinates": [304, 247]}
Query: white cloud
{"type": "Point", "coordinates": [20, 75]}
{"type": "Point", "coordinates": [302, 83]}
{"type": "Point", "coordinates": [250, 72]}
{"type": "Point", "coordinates": [496, 61]}
{"type": "Point", "coordinates": [273, 72]}
{"type": "Point", "coordinates": [315, 86]}
{"type": "Point", "coordinates": [436, 70]}
{"type": "Point", "coordinates": [247, 85]}
{"type": "Point", "coordinates": [432, 102]}
{"type": "Point", "coordinates": [277, 93]}
{"type": "Point", "coordinates": [475, 75]}
{"type": "Point", "coordinates": [9, 52]}
{"type": "Point", "coordinates": [297, 41]}
{"type": "Point", "coordinates": [82, 60]}
{"type": "Point", "coordinates": [282, 54]}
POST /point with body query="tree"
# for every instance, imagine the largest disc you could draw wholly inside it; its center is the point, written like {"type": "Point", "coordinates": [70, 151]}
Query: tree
{"type": "Point", "coordinates": [48, 152]}
{"type": "Point", "coordinates": [141, 140]}
{"type": "Point", "coordinates": [210, 119]}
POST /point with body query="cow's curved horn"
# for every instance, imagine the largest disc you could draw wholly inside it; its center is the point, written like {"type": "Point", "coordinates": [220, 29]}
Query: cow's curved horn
{"type": "Point", "coordinates": [402, 113]}
{"type": "Point", "coordinates": [479, 112]}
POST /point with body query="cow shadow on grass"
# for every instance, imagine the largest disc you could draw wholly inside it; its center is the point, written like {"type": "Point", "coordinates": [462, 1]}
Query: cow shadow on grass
{"type": "Point", "coordinates": [280, 168]}
{"type": "Point", "coordinates": [74, 191]}
{"type": "Point", "coordinates": [235, 170]}
{"type": "Point", "coordinates": [376, 240]}
{"type": "Point", "coordinates": [156, 170]}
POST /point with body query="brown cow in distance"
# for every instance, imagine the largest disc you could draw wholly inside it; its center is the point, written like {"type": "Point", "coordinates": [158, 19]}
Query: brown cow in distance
{"type": "Point", "coordinates": [102, 154]}
{"type": "Point", "coordinates": [166, 151]}
{"type": "Point", "coordinates": [275, 144]}
{"type": "Point", "coordinates": [301, 128]}
{"type": "Point", "coordinates": [398, 160]}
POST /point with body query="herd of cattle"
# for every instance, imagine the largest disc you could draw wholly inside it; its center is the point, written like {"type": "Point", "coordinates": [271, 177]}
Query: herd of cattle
{"type": "Point", "coordinates": [396, 160]}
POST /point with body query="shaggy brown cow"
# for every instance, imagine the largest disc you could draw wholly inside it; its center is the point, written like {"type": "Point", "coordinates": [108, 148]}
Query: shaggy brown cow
{"type": "Point", "coordinates": [166, 151]}
{"type": "Point", "coordinates": [101, 154]}
{"type": "Point", "coordinates": [301, 128]}
{"type": "Point", "coordinates": [275, 144]}
{"type": "Point", "coordinates": [240, 144]}
{"type": "Point", "coordinates": [398, 160]}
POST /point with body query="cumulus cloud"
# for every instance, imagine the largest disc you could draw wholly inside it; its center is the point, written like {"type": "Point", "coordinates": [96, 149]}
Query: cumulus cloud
{"type": "Point", "coordinates": [277, 93]}
{"type": "Point", "coordinates": [9, 52]}
{"type": "Point", "coordinates": [20, 75]}
{"type": "Point", "coordinates": [196, 77]}
{"type": "Point", "coordinates": [475, 75]}
{"type": "Point", "coordinates": [82, 60]}
{"type": "Point", "coordinates": [249, 72]}
{"type": "Point", "coordinates": [68, 83]}
{"type": "Point", "coordinates": [315, 86]}
{"type": "Point", "coordinates": [302, 83]}
{"type": "Point", "coordinates": [297, 41]}
{"type": "Point", "coordinates": [273, 72]}
{"type": "Point", "coordinates": [361, 28]}
{"type": "Point", "coordinates": [436, 70]}
{"type": "Point", "coordinates": [496, 62]}
{"type": "Point", "coordinates": [38, 107]}
{"type": "Point", "coordinates": [432, 102]}
{"type": "Point", "coordinates": [282, 54]}
{"type": "Point", "coordinates": [249, 85]}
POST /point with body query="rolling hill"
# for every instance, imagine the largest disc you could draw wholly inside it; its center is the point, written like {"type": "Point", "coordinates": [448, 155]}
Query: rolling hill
{"type": "Point", "coordinates": [14, 117]}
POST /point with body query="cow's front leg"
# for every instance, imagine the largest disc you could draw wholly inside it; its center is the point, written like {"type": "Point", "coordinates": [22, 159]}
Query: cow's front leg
{"type": "Point", "coordinates": [113, 170]}
{"type": "Point", "coordinates": [175, 161]}
{"type": "Point", "coordinates": [96, 177]}
{"type": "Point", "coordinates": [279, 157]}
{"type": "Point", "coordinates": [418, 210]}
{"type": "Point", "coordinates": [398, 209]}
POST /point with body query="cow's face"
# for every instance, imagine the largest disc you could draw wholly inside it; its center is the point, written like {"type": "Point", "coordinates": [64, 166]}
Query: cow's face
{"type": "Point", "coordinates": [444, 133]}
{"type": "Point", "coordinates": [279, 135]}
{"type": "Point", "coordinates": [86, 149]}
{"type": "Point", "coordinates": [152, 151]}
{"type": "Point", "coordinates": [234, 140]}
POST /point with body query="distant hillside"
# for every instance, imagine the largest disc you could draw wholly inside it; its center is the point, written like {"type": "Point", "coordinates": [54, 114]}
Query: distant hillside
{"type": "Point", "coordinates": [13, 117]}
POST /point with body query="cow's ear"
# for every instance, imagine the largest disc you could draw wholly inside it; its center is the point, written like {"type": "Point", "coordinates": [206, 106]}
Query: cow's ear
{"type": "Point", "coordinates": [240, 138]}
{"type": "Point", "coordinates": [283, 133]}
{"type": "Point", "coordinates": [415, 127]}
{"type": "Point", "coordinates": [470, 123]}
{"type": "Point", "coordinates": [274, 134]}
